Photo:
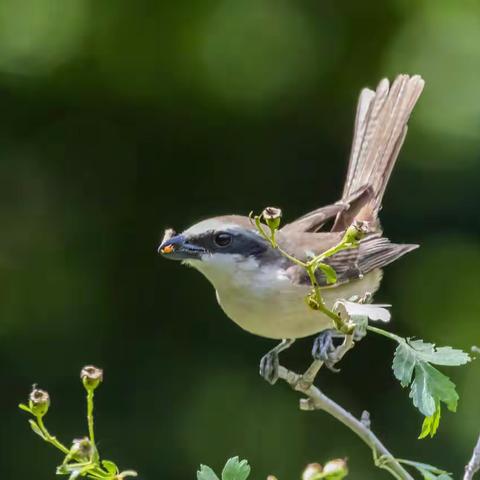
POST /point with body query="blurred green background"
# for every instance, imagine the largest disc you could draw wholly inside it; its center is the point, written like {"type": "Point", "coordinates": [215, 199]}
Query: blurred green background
{"type": "Point", "coordinates": [120, 118]}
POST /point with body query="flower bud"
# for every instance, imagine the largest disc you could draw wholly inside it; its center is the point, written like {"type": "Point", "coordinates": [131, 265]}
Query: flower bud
{"type": "Point", "coordinates": [336, 469]}
{"type": "Point", "coordinates": [356, 231]}
{"type": "Point", "coordinates": [82, 449]}
{"type": "Point", "coordinates": [91, 377]}
{"type": "Point", "coordinates": [39, 402]}
{"type": "Point", "coordinates": [271, 477]}
{"type": "Point", "coordinates": [272, 216]}
{"type": "Point", "coordinates": [311, 471]}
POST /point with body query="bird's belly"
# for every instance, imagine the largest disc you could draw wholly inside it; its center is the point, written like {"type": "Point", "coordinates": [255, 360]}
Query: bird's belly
{"type": "Point", "coordinates": [283, 312]}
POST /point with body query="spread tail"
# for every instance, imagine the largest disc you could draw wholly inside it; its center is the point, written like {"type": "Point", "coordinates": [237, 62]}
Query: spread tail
{"type": "Point", "coordinates": [379, 132]}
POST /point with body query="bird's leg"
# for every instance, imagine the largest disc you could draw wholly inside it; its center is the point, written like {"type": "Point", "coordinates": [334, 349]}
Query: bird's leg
{"type": "Point", "coordinates": [270, 362]}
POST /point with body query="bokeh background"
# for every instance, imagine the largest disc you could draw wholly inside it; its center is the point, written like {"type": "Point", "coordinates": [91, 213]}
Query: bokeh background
{"type": "Point", "coordinates": [120, 118]}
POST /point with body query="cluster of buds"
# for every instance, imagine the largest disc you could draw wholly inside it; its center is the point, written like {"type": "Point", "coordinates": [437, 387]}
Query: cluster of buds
{"type": "Point", "coordinates": [333, 470]}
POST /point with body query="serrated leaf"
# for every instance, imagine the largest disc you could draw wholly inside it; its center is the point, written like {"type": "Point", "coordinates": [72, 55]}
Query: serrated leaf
{"type": "Point", "coordinates": [429, 386]}
{"type": "Point", "coordinates": [403, 364]}
{"type": "Point", "coordinates": [236, 469]}
{"type": "Point", "coordinates": [413, 358]}
{"type": "Point", "coordinates": [430, 424]}
{"type": "Point", "coordinates": [110, 467]}
{"type": "Point", "coordinates": [446, 356]}
{"type": "Point", "coordinates": [24, 407]}
{"type": "Point", "coordinates": [329, 272]}
{"type": "Point", "coordinates": [36, 429]}
{"type": "Point", "coordinates": [206, 473]}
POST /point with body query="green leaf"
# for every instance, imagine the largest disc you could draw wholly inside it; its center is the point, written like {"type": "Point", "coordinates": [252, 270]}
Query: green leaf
{"type": "Point", "coordinates": [430, 424]}
{"type": "Point", "coordinates": [447, 356]}
{"type": "Point", "coordinates": [413, 359]}
{"type": "Point", "coordinates": [110, 467]}
{"type": "Point", "coordinates": [329, 272]}
{"type": "Point", "coordinates": [36, 429]}
{"type": "Point", "coordinates": [429, 386]}
{"type": "Point", "coordinates": [403, 364]}
{"type": "Point", "coordinates": [236, 470]}
{"type": "Point", "coordinates": [428, 472]}
{"type": "Point", "coordinates": [206, 473]}
{"type": "Point", "coordinates": [24, 407]}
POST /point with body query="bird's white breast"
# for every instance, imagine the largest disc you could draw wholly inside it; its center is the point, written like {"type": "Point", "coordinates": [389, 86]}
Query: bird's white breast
{"type": "Point", "coordinates": [264, 301]}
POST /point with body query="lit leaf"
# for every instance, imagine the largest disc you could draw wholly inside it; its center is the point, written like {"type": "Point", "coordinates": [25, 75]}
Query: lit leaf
{"type": "Point", "coordinates": [430, 424]}
{"type": "Point", "coordinates": [206, 473]}
{"type": "Point", "coordinates": [236, 470]}
{"type": "Point", "coordinates": [329, 272]}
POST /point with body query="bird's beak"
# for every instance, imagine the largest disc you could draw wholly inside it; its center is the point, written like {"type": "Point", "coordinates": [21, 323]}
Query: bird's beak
{"type": "Point", "coordinates": [178, 248]}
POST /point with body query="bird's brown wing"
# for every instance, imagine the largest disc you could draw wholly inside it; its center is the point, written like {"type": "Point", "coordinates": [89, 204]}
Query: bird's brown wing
{"type": "Point", "coordinates": [373, 252]}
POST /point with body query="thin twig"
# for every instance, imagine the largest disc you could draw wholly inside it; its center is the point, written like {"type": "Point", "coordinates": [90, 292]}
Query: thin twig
{"type": "Point", "coordinates": [317, 400]}
{"type": "Point", "coordinates": [473, 465]}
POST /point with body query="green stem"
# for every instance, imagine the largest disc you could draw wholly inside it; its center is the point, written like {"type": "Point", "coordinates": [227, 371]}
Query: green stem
{"type": "Point", "coordinates": [50, 438]}
{"type": "Point", "coordinates": [385, 333]}
{"type": "Point", "coordinates": [91, 432]}
{"type": "Point", "coordinates": [321, 304]}
{"type": "Point", "coordinates": [291, 258]}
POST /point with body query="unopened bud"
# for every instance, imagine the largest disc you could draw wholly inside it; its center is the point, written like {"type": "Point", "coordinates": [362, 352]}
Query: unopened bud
{"type": "Point", "coordinates": [272, 477]}
{"type": "Point", "coordinates": [82, 449]}
{"type": "Point", "coordinates": [356, 231]}
{"type": "Point", "coordinates": [272, 217]}
{"type": "Point", "coordinates": [312, 301]}
{"type": "Point", "coordinates": [311, 471]}
{"type": "Point", "coordinates": [91, 377]}
{"type": "Point", "coordinates": [39, 402]}
{"type": "Point", "coordinates": [336, 469]}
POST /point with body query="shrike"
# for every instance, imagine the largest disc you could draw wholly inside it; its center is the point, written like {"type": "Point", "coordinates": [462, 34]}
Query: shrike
{"type": "Point", "coordinates": [264, 292]}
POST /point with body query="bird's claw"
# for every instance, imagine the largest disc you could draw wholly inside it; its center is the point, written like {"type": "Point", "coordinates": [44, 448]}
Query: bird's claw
{"type": "Point", "coordinates": [269, 367]}
{"type": "Point", "coordinates": [325, 350]}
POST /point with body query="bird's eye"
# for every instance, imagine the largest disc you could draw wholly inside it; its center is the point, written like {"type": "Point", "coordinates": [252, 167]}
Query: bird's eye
{"type": "Point", "coordinates": [223, 239]}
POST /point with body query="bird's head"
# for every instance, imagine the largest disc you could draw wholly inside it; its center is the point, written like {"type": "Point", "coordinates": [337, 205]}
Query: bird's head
{"type": "Point", "coordinates": [218, 247]}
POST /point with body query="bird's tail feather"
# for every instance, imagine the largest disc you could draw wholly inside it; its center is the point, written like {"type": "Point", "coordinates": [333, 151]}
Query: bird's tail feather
{"type": "Point", "coordinates": [380, 129]}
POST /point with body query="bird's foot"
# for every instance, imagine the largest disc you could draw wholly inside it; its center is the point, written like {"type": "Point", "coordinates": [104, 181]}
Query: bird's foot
{"type": "Point", "coordinates": [269, 367]}
{"type": "Point", "coordinates": [327, 351]}
{"type": "Point", "coordinates": [270, 362]}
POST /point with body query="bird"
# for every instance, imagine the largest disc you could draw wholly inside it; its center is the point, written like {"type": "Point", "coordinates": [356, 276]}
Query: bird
{"type": "Point", "coordinates": [262, 290]}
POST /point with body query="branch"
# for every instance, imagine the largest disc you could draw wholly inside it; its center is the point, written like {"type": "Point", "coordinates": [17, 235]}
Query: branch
{"type": "Point", "coordinates": [319, 401]}
{"type": "Point", "coordinates": [474, 463]}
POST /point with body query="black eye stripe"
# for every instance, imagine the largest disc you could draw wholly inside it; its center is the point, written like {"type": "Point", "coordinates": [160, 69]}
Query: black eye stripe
{"type": "Point", "coordinates": [240, 242]}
